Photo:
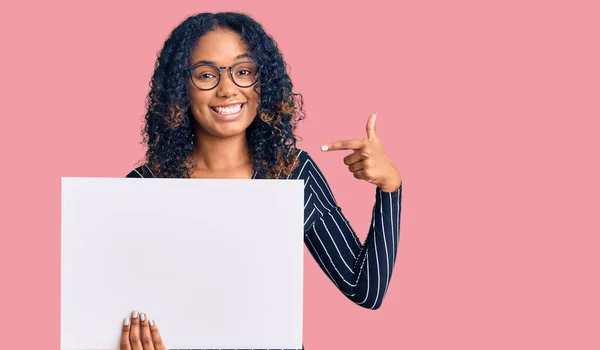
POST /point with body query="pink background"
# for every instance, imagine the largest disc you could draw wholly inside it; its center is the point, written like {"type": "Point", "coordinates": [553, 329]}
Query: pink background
{"type": "Point", "coordinates": [489, 109]}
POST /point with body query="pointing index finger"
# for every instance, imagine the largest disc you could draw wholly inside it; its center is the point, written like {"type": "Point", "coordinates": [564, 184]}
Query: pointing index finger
{"type": "Point", "coordinates": [343, 144]}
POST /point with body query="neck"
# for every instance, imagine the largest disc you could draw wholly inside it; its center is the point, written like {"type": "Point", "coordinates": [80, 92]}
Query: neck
{"type": "Point", "coordinates": [214, 154]}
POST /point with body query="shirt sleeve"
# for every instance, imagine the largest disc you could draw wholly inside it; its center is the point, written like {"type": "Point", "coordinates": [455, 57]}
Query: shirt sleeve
{"type": "Point", "coordinates": [140, 172]}
{"type": "Point", "coordinates": [361, 271]}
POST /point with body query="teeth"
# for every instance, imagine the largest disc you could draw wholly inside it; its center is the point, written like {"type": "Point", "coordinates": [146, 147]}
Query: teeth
{"type": "Point", "coordinates": [229, 109]}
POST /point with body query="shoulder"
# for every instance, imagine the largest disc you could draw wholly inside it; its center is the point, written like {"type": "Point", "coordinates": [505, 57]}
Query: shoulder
{"type": "Point", "coordinates": [303, 156]}
{"type": "Point", "coordinates": [140, 172]}
{"type": "Point", "coordinates": [305, 165]}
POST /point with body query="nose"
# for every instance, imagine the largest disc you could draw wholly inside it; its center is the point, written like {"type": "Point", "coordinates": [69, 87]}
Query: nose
{"type": "Point", "coordinates": [227, 87]}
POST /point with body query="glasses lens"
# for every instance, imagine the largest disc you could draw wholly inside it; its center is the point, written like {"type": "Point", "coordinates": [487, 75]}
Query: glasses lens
{"type": "Point", "coordinates": [245, 74]}
{"type": "Point", "coordinates": [205, 77]}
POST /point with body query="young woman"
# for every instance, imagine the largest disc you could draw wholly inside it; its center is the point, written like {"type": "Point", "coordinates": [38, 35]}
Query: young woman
{"type": "Point", "coordinates": [221, 105]}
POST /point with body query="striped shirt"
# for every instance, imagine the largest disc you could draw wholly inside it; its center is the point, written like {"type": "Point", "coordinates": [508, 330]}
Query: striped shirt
{"type": "Point", "coordinates": [362, 272]}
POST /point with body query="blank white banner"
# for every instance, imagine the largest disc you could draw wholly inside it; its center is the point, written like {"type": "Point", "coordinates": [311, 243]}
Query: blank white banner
{"type": "Point", "coordinates": [217, 263]}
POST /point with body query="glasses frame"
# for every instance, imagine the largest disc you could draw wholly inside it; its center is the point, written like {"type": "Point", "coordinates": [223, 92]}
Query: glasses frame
{"type": "Point", "coordinates": [190, 72]}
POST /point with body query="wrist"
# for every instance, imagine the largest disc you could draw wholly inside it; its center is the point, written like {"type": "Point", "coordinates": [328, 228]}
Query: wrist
{"type": "Point", "coordinates": [393, 183]}
{"type": "Point", "coordinates": [391, 187]}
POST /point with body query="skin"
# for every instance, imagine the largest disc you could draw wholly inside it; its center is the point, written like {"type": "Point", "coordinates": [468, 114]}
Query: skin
{"type": "Point", "coordinates": [368, 160]}
{"type": "Point", "coordinates": [140, 333]}
{"type": "Point", "coordinates": [222, 151]}
{"type": "Point", "coordinates": [221, 148]}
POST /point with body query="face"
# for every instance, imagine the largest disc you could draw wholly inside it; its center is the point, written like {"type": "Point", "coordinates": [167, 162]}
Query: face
{"type": "Point", "coordinates": [217, 112]}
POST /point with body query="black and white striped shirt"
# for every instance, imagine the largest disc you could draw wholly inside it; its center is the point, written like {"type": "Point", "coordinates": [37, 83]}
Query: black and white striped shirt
{"type": "Point", "coordinates": [362, 272]}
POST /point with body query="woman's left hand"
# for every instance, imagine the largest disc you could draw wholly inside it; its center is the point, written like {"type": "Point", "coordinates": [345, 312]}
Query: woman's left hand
{"type": "Point", "coordinates": [369, 161]}
{"type": "Point", "coordinates": [150, 338]}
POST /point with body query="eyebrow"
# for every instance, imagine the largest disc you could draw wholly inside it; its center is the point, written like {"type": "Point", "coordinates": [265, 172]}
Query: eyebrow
{"type": "Point", "coordinates": [245, 55]}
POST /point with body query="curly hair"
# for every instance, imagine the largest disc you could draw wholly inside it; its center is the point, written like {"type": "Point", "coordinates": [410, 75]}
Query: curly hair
{"type": "Point", "coordinates": [168, 132]}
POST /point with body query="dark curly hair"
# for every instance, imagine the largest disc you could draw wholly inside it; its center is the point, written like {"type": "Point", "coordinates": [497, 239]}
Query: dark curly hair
{"type": "Point", "coordinates": [168, 133]}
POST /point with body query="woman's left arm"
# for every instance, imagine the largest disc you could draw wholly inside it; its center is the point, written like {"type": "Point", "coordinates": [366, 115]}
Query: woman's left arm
{"type": "Point", "coordinates": [361, 271]}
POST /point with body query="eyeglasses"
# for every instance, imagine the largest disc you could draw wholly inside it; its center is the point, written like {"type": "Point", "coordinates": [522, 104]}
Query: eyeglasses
{"type": "Point", "coordinates": [208, 76]}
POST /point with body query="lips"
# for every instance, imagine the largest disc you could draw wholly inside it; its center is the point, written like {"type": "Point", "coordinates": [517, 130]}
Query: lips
{"type": "Point", "coordinates": [227, 110]}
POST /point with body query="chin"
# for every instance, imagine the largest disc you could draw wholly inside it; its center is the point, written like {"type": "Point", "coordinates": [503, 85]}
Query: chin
{"type": "Point", "coordinates": [223, 126]}
{"type": "Point", "coordinates": [225, 130]}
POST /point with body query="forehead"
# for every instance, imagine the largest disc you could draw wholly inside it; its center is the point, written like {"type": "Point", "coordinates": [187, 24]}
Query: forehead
{"type": "Point", "coordinates": [221, 46]}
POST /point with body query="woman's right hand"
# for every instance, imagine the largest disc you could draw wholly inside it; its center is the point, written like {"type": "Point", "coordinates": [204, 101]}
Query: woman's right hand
{"type": "Point", "coordinates": [139, 333]}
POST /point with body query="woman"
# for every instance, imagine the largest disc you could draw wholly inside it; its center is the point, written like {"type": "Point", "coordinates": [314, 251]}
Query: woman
{"type": "Point", "coordinates": [221, 105]}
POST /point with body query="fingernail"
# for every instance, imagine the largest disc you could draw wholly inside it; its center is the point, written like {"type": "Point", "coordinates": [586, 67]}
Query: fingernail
{"type": "Point", "coordinates": [134, 314]}
{"type": "Point", "coordinates": [143, 317]}
{"type": "Point", "coordinates": [324, 148]}
{"type": "Point", "coordinates": [126, 321]}
{"type": "Point", "coordinates": [151, 323]}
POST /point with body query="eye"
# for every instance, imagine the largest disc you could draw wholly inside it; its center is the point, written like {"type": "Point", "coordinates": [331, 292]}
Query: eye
{"type": "Point", "coordinates": [205, 73]}
{"type": "Point", "coordinates": [245, 70]}
{"type": "Point", "coordinates": [205, 76]}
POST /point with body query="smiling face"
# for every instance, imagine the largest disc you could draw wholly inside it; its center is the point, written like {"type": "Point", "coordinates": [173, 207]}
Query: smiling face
{"type": "Point", "coordinates": [227, 110]}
